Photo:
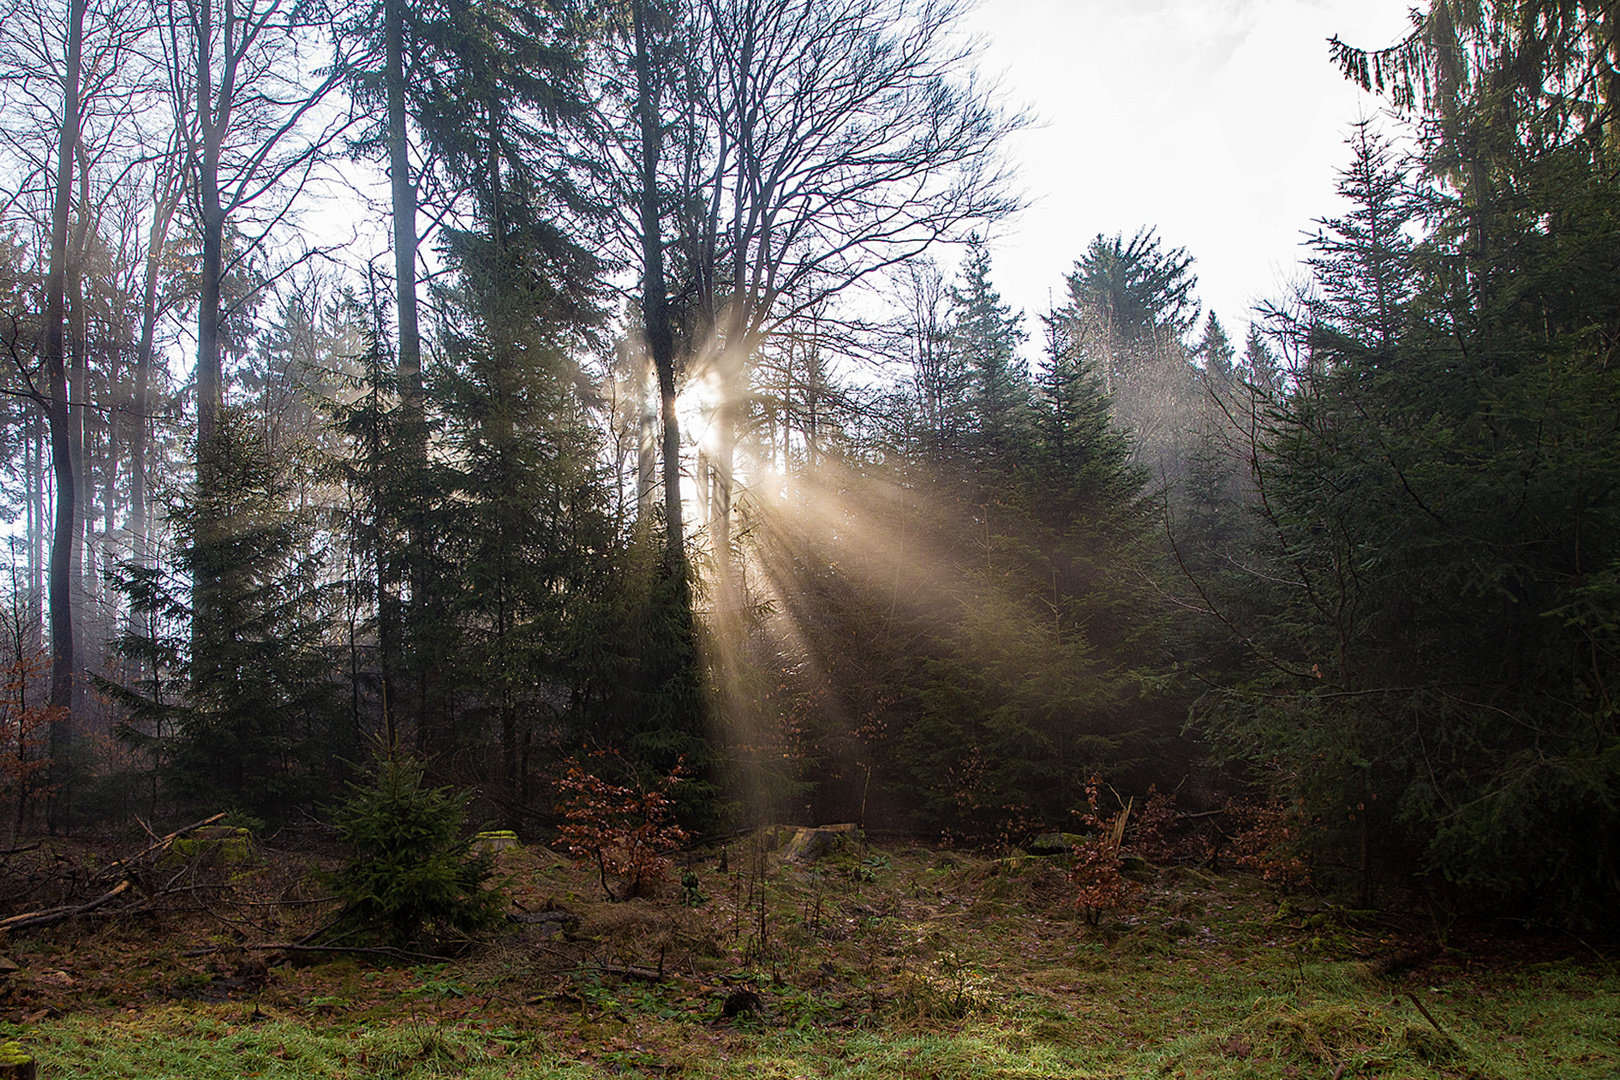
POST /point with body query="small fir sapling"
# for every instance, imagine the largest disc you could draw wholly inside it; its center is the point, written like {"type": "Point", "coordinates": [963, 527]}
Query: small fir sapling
{"type": "Point", "coordinates": [410, 871]}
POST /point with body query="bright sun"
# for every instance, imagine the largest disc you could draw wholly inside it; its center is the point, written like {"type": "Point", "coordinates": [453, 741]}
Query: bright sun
{"type": "Point", "coordinates": [695, 408]}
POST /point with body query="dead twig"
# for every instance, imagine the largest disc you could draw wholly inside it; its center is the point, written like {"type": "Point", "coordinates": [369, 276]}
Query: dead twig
{"type": "Point", "coordinates": [131, 880]}
{"type": "Point", "coordinates": [1428, 1015]}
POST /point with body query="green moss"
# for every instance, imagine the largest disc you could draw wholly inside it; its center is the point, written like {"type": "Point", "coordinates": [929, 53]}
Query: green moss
{"type": "Point", "coordinates": [231, 846]}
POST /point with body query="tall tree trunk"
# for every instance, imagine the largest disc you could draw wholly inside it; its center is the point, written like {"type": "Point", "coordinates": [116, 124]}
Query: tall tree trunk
{"type": "Point", "coordinates": [213, 119]}
{"type": "Point", "coordinates": [81, 561]}
{"type": "Point", "coordinates": [388, 622]}
{"type": "Point", "coordinates": [107, 462]}
{"type": "Point", "coordinates": [646, 440]}
{"type": "Point", "coordinates": [412, 429]}
{"type": "Point", "coordinates": [654, 295]}
{"type": "Point", "coordinates": [210, 379]}
{"type": "Point", "coordinates": [213, 116]}
{"type": "Point", "coordinates": [168, 199]}
{"type": "Point", "coordinates": [62, 673]}
{"type": "Point", "coordinates": [403, 190]}
{"type": "Point", "coordinates": [732, 365]}
{"type": "Point", "coordinates": [34, 456]}
{"type": "Point", "coordinates": [722, 457]}
{"type": "Point", "coordinates": [109, 458]}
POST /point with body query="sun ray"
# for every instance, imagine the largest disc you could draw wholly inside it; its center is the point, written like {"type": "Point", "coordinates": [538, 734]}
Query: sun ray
{"type": "Point", "coordinates": [776, 658]}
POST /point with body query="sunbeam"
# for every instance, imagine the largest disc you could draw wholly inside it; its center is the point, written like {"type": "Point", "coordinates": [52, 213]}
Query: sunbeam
{"type": "Point", "coordinates": [838, 572]}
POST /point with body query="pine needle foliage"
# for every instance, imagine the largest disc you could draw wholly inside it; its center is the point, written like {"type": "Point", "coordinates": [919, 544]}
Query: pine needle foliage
{"type": "Point", "coordinates": [410, 872]}
{"type": "Point", "coordinates": [1434, 652]}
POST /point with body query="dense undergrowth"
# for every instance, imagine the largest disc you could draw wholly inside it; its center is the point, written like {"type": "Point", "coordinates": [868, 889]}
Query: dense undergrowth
{"type": "Point", "coordinates": [891, 962]}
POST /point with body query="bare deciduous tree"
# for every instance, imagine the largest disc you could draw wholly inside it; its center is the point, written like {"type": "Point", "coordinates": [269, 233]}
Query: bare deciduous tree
{"type": "Point", "coordinates": [842, 139]}
{"type": "Point", "coordinates": [52, 342]}
{"type": "Point", "coordinates": [253, 134]}
{"type": "Point", "coordinates": [785, 154]}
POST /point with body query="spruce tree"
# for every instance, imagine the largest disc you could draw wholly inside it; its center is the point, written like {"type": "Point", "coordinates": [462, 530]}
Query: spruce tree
{"type": "Point", "coordinates": [1364, 259]}
{"type": "Point", "coordinates": [252, 719]}
{"type": "Point", "coordinates": [1431, 655]}
{"type": "Point", "coordinates": [525, 516]}
{"type": "Point", "coordinates": [1132, 303]}
{"type": "Point", "coordinates": [985, 337]}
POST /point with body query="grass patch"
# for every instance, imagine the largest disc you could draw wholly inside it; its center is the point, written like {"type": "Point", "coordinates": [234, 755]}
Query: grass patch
{"type": "Point", "coordinates": [214, 1044]}
{"type": "Point", "coordinates": [895, 965]}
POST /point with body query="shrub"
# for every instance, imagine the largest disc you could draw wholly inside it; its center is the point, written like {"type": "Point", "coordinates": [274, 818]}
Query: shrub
{"type": "Point", "coordinates": [1269, 838]}
{"type": "Point", "coordinates": [409, 870]}
{"type": "Point", "coordinates": [1164, 834]}
{"type": "Point", "coordinates": [626, 829]}
{"type": "Point", "coordinates": [25, 721]}
{"type": "Point", "coordinates": [1099, 884]}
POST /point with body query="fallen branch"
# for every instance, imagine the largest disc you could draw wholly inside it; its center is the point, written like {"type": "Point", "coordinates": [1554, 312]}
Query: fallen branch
{"type": "Point", "coordinates": [1427, 1015]}
{"type": "Point", "coordinates": [393, 954]}
{"type": "Point", "coordinates": [30, 919]}
{"type": "Point", "coordinates": [161, 842]}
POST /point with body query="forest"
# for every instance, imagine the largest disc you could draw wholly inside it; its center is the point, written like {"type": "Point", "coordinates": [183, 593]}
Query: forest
{"type": "Point", "coordinates": [607, 408]}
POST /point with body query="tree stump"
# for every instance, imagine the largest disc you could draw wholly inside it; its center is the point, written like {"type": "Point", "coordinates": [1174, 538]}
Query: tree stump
{"type": "Point", "coordinates": [15, 1062]}
{"type": "Point", "coordinates": [808, 845]}
{"type": "Point", "coordinates": [497, 840]}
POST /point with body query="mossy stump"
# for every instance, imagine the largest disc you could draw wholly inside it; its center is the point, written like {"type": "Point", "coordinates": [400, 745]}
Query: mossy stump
{"type": "Point", "coordinates": [225, 844]}
{"type": "Point", "coordinates": [495, 840]}
{"type": "Point", "coordinates": [15, 1062]}
{"type": "Point", "coordinates": [808, 845]}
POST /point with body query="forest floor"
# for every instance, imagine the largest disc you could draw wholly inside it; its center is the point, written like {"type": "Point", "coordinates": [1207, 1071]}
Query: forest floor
{"type": "Point", "coordinates": [875, 961]}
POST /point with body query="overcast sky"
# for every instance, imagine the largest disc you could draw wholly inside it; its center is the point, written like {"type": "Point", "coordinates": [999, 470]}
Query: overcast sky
{"type": "Point", "coordinates": [1219, 122]}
